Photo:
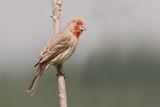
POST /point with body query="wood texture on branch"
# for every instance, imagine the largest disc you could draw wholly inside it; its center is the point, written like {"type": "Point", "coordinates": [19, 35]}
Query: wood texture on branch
{"type": "Point", "coordinates": [57, 6]}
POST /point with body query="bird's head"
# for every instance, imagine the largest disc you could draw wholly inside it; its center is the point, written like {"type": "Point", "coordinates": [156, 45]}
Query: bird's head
{"type": "Point", "coordinates": [76, 26]}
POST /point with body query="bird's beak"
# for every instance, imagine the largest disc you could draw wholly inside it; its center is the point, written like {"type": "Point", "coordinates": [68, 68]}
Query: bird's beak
{"type": "Point", "coordinates": [82, 28]}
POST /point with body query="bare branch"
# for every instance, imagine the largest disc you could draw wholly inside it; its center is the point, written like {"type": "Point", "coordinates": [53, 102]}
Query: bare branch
{"type": "Point", "coordinates": [61, 86]}
{"type": "Point", "coordinates": [57, 6]}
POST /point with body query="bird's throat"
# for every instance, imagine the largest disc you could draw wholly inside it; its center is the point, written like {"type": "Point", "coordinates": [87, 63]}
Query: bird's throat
{"type": "Point", "coordinates": [77, 34]}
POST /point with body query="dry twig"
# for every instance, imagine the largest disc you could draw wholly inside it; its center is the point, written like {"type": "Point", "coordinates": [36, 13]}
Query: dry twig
{"type": "Point", "coordinates": [57, 5]}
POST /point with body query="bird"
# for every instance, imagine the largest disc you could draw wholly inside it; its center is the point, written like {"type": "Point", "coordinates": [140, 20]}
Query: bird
{"type": "Point", "coordinates": [58, 50]}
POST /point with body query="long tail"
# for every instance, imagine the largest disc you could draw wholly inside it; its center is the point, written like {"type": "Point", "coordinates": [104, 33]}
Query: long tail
{"type": "Point", "coordinates": [32, 88]}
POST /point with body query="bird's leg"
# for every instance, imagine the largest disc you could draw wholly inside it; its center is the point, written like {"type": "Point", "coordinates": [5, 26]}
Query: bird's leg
{"type": "Point", "coordinates": [60, 70]}
{"type": "Point", "coordinates": [61, 74]}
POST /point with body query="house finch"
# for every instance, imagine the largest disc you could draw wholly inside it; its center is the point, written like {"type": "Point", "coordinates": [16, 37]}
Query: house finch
{"type": "Point", "coordinates": [58, 50]}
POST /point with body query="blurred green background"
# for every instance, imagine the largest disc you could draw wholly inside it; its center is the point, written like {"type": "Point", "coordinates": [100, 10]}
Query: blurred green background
{"type": "Point", "coordinates": [116, 64]}
{"type": "Point", "coordinates": [105, 81]}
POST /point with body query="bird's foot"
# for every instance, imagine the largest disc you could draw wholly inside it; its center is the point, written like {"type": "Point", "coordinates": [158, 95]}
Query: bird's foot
{"type": "Point", "coordinates": [61, 74]}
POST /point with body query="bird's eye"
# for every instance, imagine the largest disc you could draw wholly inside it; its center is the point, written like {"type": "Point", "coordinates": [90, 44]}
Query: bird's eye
{"type": "Point", "coordinates": [78, 23]}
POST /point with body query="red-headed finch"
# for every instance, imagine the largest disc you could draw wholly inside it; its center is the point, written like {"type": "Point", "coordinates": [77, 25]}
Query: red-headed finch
{"type": "Point", "coordinates": [58, 49]}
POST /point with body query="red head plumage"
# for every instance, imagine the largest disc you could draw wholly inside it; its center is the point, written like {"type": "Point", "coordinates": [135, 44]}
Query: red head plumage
{"type": "Point", "coordinates": [76, 26]}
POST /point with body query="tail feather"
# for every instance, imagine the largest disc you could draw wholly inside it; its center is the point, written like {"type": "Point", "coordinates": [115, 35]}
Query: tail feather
{"type": "Point", "coordinates": [32, 88]}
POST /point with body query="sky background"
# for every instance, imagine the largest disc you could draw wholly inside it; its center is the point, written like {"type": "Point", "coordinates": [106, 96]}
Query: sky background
{"type": "Point", "coordinates": [26, 26]}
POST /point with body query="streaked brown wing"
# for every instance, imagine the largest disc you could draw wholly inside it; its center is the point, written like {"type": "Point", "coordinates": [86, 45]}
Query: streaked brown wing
{"type": "Point", "coordinates": [57, 46]}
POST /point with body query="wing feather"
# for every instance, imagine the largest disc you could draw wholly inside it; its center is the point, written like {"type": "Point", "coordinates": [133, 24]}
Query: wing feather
{"type": "Point", "coordinates": [59, 44]}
